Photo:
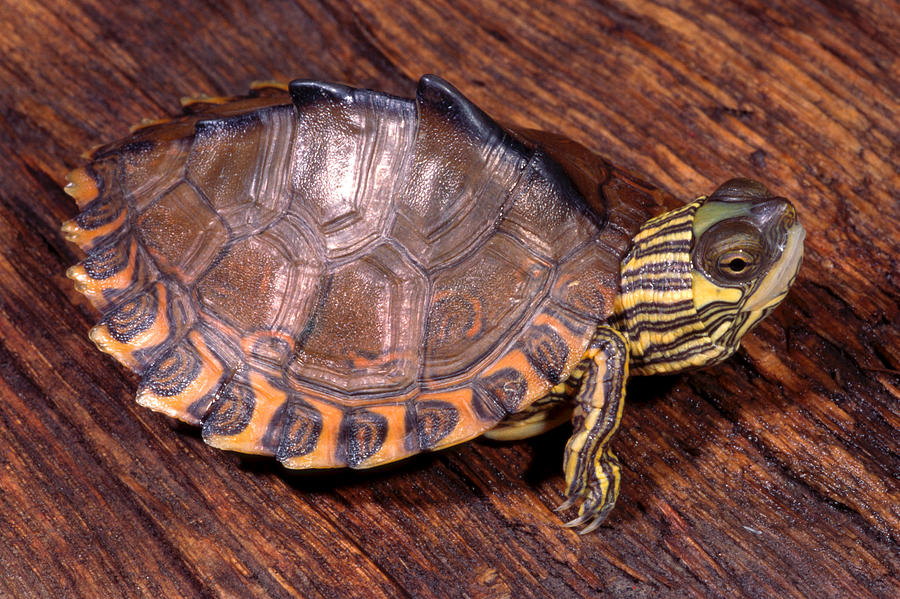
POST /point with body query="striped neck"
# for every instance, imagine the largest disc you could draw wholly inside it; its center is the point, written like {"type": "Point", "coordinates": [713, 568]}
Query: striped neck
{"type": "Point", "coordinates": [655, 306]}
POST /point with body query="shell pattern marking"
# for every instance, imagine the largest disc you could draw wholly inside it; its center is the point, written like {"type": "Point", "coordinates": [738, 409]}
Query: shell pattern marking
{"type": "Point", "coordinates": [340, 277]}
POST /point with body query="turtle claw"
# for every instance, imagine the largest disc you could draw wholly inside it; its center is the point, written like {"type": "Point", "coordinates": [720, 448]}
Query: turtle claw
{"type": "Point", "coordinates": [566, 504]}
{"type": "Point", "coordinates": [576, 522]}
{"type": "Point", "coordinates": [597, 494]}
{"type": "Point", "coordinates": [596, 507]}
{"type": "Point", "coordinates": [592, 526]}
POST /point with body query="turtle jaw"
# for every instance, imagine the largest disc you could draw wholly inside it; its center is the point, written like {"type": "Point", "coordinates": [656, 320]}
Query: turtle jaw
{"type": "Point", "coordinates": [775, 285]}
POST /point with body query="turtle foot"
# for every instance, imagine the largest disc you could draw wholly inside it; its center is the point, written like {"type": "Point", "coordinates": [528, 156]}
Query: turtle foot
{"type": "Point", "coordinates": [597, 493]}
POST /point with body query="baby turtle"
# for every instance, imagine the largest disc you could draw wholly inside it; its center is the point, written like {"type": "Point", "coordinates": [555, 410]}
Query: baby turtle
{"type": "Point", "coordinates": [340, 277]}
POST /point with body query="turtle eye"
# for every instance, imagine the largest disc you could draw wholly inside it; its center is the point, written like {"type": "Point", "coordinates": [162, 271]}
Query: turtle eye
{"type": "Point", "coordinates": [730, 252]}
{"type": "Point", "coordinates": [736, 264]}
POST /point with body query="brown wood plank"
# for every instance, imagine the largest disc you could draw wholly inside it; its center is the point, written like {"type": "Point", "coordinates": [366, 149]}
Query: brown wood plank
{"type": "Point", "coordinates": [772, 475]}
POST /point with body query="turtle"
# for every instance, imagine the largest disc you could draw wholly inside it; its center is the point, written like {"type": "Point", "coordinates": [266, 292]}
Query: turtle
{"type": "Point", "coordinates": [340, 277]}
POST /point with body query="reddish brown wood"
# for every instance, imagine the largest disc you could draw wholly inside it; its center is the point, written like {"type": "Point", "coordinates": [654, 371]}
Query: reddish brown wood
{"type": "Point", "coordinates": [773, 475]}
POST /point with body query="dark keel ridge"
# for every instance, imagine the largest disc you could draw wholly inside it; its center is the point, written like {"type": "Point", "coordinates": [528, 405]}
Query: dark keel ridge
{"type": "Point", "coordinates": [432, 94]}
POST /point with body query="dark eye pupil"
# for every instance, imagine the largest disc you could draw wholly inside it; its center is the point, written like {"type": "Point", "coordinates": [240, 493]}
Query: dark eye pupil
{"type": "Point", "coordinates": [737, 264]}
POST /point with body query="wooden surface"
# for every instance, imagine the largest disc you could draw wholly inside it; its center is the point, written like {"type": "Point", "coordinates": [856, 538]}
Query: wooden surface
{"type": "Point", "coordinates": [773, 475]}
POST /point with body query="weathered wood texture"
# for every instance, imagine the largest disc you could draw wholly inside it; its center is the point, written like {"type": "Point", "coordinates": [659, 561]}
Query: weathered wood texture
{"type": "Point", "coordinates": [773, 475]}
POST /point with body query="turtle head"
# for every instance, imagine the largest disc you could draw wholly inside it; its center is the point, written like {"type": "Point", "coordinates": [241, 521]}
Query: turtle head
{"type": "Point", "coordinates": [698, 278]}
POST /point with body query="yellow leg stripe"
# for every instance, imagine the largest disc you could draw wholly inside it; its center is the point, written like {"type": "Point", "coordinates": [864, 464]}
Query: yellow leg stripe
{"type": "Point", "coordinates": [592, 470]}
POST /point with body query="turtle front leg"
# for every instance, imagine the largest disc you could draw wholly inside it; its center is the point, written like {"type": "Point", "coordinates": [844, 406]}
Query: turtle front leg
{"type": "Point", "coordinates": [592, 470]}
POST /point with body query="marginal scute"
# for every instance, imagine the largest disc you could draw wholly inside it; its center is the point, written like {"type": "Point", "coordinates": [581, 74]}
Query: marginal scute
{"type": "Point", "coordinates": [81, 186]}
{"type": "Point", "coordinates": [432, 421]}
{"type": "Point", "coordinates": [174, 372]}
{"type": "Point", "coordinates": [361, 435]}
{"type": "Point", "coordinates": [470, 422]}
{"type": "Point", "coordinates": [296, 429]}
{"type": "Point", "coordinates": [629, 204]}
{"type": "Point", "coordinates": [396, 443]}
{"type": "Point", "coordinates": [182, 383]}
{"type": "Point", "coordinates": [113, 272]}
{"type": "Point", "coordinates": [546, 350]}
{"type": "Point", "coordinates": [230, 413]}
{"type": "Point", "coordinates": [259, 402]}
{"type": "Point", "coordinates": [507, 387]}
{"type": "Point", "coordinates": [109, 260]}
{"type": "Point", "coordinates": [189, 103]}
{"type": "Point", "coordinates": [588, 280]}
{"type": "Point", "coordinates": [486, 407]}
{"type": "Point", "coordinates": [132, 317]}
{"type": "Point", "coordinates": [105, 213]}
{"type": "Point", "coordinates": [325, 452]}
{"type": "Point", "coordinates": [260, 98]}
{"type": "Point", "coordinates": [269, 88]}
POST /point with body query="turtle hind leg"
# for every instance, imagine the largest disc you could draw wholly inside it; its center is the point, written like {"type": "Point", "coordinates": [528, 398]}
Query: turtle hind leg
{"type": "Point", "coordinates": [592, 470]}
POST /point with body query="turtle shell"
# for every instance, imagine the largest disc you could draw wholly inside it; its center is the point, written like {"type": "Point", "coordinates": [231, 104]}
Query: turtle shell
{"type": "Point", "coordinates": [340, 277]}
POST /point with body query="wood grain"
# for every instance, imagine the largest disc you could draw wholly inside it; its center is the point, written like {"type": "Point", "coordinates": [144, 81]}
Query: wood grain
{"type": "Point", "coordinates": [773, 475]}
